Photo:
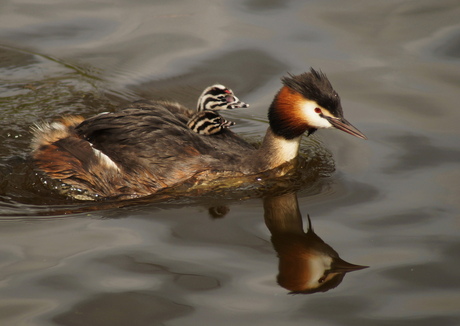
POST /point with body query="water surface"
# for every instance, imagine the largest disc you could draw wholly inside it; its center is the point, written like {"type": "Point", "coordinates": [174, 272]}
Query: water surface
{"type": "Point", "coordinates": [390, 203]}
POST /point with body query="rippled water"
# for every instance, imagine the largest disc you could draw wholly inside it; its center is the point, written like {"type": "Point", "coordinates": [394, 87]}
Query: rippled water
{"type": "Point", "coordinates": [390, 203]}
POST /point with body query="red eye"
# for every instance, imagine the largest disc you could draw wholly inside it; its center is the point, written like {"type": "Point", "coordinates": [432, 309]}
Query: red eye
{"type": "Point", "coordinates": [318, 110]}
{"type": "Point", "coordinates": [227, 91]}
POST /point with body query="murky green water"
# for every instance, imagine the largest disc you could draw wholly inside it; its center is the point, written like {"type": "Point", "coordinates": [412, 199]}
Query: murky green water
{"type": "Point", "coordinates": [390, 203]}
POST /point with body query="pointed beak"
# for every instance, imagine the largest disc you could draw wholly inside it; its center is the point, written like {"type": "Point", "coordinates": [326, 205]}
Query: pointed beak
{"type": "Point", "coordinates": [238, 105]}
{"type": "Point", "coordinates": [227, 124]}
{"type": "Point", "coordinates": [341, 266]}
{"type": "Point", "coordinates": [344, 125]}
{"type": "Point", "coordinates": [235, 103]}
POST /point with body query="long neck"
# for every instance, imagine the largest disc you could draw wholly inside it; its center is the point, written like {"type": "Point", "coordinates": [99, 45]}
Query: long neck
{"type": "Point", "coordinates": [276, 150]}
{"type": "Point", "coordinates": [287, 125]}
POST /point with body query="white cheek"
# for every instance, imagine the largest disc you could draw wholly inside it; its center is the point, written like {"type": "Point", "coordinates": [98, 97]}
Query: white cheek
{"type": "Point", "coordinates": [312, 117]}
{"type": "Point", "coordinates": [318, 264]}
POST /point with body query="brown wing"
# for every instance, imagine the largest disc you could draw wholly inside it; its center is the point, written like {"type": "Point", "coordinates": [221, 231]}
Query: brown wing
{"type": "Point", "coordinates": [135, 151]}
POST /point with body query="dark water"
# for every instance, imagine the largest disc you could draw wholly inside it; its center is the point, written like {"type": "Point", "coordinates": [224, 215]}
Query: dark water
{"type": "Point", "coordinates": [392, 202]}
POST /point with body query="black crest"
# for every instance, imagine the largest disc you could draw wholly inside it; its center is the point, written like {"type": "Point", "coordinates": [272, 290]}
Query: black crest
{"type": "Point", "coordinates": [315, 86]}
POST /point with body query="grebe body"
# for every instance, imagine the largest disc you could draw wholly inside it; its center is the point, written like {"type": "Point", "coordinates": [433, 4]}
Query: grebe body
{"type": "Point", "coordinates": [148, 147]}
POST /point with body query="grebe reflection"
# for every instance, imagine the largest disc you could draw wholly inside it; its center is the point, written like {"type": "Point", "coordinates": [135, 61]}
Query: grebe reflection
{"type": "Point", "coordinates": [306, 263]}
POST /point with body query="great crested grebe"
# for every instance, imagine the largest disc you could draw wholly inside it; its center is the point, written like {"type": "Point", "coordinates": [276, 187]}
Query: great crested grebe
{"type": "Point", "coordinates": [147, 146]}
{"type": "Point", "coordinates": [218, 97]}
{"type": "Point", "coordinates": [214, 98]}
{"type": "Point", "coordinates": [208, 123]}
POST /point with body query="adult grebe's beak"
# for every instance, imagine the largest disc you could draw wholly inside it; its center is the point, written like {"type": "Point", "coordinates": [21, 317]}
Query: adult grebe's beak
{"type": "Point", "coordinates": [344, 125]}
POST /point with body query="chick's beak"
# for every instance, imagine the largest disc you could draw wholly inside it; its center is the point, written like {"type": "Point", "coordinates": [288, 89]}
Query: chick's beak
{"type": "Point", "coordinates": [235, 103]}
{"type": "Point", "coordinates": [344, 125]}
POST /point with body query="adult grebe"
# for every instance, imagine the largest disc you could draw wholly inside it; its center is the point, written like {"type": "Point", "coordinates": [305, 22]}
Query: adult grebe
{"type": "Point", "coordinates": [148, 147]}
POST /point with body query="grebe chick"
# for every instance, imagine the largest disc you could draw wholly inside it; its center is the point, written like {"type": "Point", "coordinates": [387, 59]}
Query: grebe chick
{"type": "Point", "coordinates": [208, 123]}
{"type": "Point", "coordinates": [219, 97]}
{"type": "Point", "coordinates": [214, 98]}
{"type": "Point", "coordinates": [147, 147]}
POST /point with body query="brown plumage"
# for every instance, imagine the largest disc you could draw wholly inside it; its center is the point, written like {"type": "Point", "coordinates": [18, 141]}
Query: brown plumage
{"type": "Point", "coordinates": [148, 146]}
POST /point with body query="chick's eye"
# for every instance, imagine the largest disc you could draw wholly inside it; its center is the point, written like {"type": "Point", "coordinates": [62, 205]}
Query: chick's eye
{"type": "Point", "coordinates": [318, 110]}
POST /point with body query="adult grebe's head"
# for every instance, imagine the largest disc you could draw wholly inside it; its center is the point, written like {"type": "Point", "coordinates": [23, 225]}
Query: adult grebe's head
{"type": "Point", "coordinates": [305, 103]}
{"type": "Point", "coordinates": [219, 97]}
